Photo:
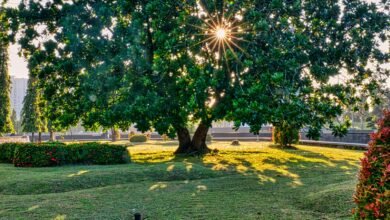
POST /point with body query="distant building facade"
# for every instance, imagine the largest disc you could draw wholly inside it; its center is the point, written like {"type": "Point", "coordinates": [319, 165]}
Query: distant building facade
{"type": "Point", "coordinates": [18, 92]}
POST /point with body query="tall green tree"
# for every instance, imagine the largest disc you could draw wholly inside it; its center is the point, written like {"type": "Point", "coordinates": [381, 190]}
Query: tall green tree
{"type": "Point", "coordinates": [6, 125]}
{"type": "Point", "coordinates": [155, 63]}
{"type": "Point", "coordinates": [299, 50]}
{"type": "Point", "coordinates": [33, 119]}
{"type": "Point", "coordinates": [15, 121]}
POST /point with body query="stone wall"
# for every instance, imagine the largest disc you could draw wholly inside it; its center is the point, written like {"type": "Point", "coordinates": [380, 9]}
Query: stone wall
{"type": "Point", "coordinates": [353, 136]}
{"type": "Point", "coordinates": [362, 137]}
{"type": "Point", "coordinates": [15, 139]}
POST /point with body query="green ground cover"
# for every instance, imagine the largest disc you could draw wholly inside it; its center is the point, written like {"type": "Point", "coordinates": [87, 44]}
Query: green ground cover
{"type": "Point", "coordinates": [251, 181]}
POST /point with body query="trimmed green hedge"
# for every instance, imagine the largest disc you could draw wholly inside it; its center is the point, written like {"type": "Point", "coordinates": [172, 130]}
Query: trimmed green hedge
{"type": "Point", "coordinates": [54, 154]}
{"type": "Point", "coordinates": [7, 151]}
{"type": "Point", "coordinates": [138, 138]}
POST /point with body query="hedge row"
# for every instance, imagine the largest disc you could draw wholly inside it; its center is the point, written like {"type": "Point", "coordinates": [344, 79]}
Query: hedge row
{"type": "Point", "coordinates": [7, 151]}
{"type": "Point", "coordinates": [56, 154]}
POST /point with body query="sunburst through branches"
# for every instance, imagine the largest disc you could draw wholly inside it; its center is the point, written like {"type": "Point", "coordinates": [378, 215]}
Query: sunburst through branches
{"type": "Point", "coordinates": [222, 35]}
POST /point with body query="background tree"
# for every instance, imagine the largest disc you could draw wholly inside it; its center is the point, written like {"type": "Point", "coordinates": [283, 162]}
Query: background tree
{"type": "Point", "coordinates": [15, 122]}
{"type": "Point", "coordinates": [377, 111]}
{"type": "Point", "coordinates": [6, 125]}
{"type": "Point", "coordinates": [298, 51]}
{"type": "Point", "coordinates": [33, 119]}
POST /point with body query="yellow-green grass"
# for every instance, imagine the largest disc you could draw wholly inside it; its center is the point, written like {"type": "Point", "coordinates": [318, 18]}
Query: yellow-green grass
{"type": "Point", "coordinates": [251, 181]}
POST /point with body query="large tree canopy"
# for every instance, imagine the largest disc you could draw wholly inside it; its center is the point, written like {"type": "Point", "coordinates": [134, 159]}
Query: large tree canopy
{"type": "Point", "coordinates": [164, 63]}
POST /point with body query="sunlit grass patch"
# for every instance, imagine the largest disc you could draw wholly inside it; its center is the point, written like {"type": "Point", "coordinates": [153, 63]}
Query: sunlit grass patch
{"type": "Point", "coordinates": [250, 181]}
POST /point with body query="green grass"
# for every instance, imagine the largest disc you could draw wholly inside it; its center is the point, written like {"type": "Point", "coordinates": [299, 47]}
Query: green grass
{"type": "Point", "coordinates": [251, 181]}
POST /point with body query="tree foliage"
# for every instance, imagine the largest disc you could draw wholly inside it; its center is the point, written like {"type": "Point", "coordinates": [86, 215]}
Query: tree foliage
{"type": "Point", "coordinates": [6, 125]}
{"type": "Point", "coordinates": [299, 51]}
{"type": "Point", "coordinates": [150, 63]}
{"type": "Point", "coordinates": [33, 119]}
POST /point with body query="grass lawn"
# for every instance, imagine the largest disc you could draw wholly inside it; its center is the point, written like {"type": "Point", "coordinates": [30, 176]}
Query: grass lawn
{"type": "Point", "coordinates": [251, 181]}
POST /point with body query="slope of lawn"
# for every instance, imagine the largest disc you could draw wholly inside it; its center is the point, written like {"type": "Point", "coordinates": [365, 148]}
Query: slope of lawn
{"type": "Point", "coordinates": [251, 181]}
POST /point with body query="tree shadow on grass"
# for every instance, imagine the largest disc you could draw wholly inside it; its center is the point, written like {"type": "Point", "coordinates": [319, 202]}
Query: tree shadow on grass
{"type": "Point", "coordinates": [301, 180]}
{"type": "Point", "coordinates": [268, 166]}
{"type": "Point", "coordinates": [290, 161]}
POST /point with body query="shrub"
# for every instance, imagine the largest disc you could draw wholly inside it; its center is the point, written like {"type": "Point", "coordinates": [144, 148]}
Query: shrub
{"type": "Point", "coordinates": [138, 138]}
{"type": "Point", "coordinates": [165, 137]}
{"type": "Point", "coordinates": [285, 135]}
{"type": "Point", "coordinates": [7, 151]}
{"type": "Point", "coordinates": [95, 153]}
{"type": "Point", "coordinates": [34, 155]}
{"type": "Point", "coordinates": [372, 196]}
{"type": "Point", "coordinates": [131, 134]}
{"type": "Point", "coordinates": [235, 143]}
{"type": "Point", "coordinates": [38, 155]}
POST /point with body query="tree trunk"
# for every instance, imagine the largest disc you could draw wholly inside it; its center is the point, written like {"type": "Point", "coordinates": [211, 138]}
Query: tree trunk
{"type": "Point", "coordinates": [52, 136]}
{"type": "Point", "coordinates": [115, 135]}
{"type": "Point", "coordinates": [39, 137]}
{"type": "Point", "coordinates": [198, 143]}
{"type": "Point", "coordinates": [184, 140]}
{"type": "Point", "coordinates": [32, 137]}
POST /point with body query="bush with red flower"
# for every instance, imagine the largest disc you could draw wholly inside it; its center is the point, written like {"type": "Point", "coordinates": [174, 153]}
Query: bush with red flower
{"type": "Point", "coordinates": [372, 195]}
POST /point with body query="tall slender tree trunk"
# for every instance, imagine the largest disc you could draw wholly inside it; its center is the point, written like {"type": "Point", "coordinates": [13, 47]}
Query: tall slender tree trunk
{"type": "Point", "coordinates": [39, 137]}
{"type": "Point", "coordinates": [115, 134]}
{"type": "Point", "coordinates": [52, 136]}
{"type": "Point", "coordinates": [32, 137]}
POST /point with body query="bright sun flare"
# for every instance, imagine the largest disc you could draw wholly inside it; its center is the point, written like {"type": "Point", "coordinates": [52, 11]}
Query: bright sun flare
{"type": "Point", "coordinates": [220, 33]}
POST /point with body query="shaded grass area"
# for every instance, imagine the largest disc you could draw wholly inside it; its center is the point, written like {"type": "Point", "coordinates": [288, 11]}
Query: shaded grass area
{"type": "Point", "coordinates": [251, 181]}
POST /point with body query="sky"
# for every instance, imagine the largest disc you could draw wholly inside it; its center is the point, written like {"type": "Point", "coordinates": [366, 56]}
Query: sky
{"type": "Point", "coordinates": [18, 65]}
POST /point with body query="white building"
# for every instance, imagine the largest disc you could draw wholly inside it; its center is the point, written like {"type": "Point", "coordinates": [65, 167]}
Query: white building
{"type": "Point", "coordinates": [18, 92]}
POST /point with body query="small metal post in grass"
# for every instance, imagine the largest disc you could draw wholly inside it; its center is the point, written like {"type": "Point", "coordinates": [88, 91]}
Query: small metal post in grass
{"type": "Point", "coordinates": [137, 216]}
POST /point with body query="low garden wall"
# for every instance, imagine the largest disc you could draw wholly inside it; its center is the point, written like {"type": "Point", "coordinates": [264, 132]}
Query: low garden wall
{"type": "Point", "coordinates": [353, 136]}
{"type": "Point", "coordinates": [15, 139]}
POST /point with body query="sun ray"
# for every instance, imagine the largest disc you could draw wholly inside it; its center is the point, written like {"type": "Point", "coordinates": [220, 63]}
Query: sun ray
{"type": "Point", "coordinates": [238, 38]}
{"type": "Point", "coordinates": [226, 60]}
{"type": "Point", "coordinates": [234, 53]}
{"type": "Point", "coordinates": [210, 25]}
{"type": "Point", "coordinates": [242, 50]}
{"type": "Point", "coordinates": [208, 15]}
{"type": "Point", "coordinates": [203, 41]}
{"type": "Point", "coordinates": [199, 27]}
{"type": "Point", "coordinates": [216, 42]}
{"type": "Point", "coordinates": [219, 47]}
